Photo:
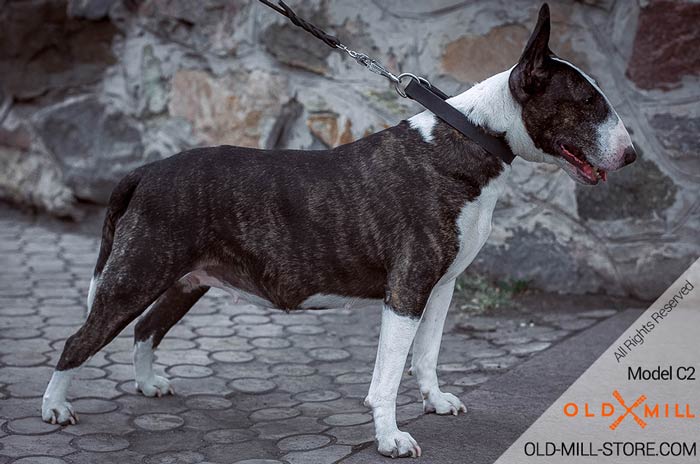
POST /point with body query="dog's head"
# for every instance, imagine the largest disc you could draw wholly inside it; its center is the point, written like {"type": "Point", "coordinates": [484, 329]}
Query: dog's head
{"type": "Point", "coordinates": [566, 114]}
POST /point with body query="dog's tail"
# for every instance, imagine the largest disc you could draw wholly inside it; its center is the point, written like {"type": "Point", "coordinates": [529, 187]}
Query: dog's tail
{"type": "Point", "coordinates": [118, 203]}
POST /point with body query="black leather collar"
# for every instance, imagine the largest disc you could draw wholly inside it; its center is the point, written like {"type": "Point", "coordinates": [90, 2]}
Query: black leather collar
{"type": "Point", "coordinates": [434, 100]}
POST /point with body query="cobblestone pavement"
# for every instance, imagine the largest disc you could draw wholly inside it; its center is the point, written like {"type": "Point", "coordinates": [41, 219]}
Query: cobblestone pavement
{"type": "Point", "coordinates": [253, 385]}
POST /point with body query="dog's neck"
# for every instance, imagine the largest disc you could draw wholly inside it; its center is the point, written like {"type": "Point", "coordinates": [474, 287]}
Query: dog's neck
{"type": "Point", "coordinates": [490, 105]}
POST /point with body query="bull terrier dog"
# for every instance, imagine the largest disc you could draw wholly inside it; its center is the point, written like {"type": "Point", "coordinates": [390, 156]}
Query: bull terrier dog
{"type": "Point", "coordinates": [393, 217]}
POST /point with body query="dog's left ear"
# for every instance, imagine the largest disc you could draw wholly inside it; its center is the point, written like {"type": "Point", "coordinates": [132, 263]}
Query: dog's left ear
{"type": "Point", "coordinates": [530, 74]}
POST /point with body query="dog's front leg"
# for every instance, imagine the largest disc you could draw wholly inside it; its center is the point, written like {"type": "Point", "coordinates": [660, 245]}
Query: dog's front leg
{"type": "Point", "coordinates": [425, 353]}
{"type": "Point", "coordinates": [395, 339]}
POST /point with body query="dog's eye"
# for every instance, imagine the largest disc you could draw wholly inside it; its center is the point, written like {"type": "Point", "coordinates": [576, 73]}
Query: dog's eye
{"type": "Point", "coordinates": [590, 100]}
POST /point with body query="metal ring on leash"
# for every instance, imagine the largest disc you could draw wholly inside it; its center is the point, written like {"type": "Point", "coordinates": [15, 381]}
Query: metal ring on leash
{"type": "Point", "coordinates": [400, 77]}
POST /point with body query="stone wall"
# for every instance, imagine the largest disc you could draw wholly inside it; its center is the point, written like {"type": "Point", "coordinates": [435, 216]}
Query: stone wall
{"type": "Point", "coordinates": [92, 88]}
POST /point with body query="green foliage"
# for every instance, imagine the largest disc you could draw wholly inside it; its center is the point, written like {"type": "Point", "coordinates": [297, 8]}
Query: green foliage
{"type": "Point", "coordinates": [476, 294]}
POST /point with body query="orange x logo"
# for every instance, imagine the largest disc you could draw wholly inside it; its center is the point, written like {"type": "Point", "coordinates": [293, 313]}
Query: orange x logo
{"type": "Point", "coordinates": [628, 411]}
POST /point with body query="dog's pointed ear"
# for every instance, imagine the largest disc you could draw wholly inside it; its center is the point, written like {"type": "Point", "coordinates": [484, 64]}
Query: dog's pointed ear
{"type": "Point", "coordinates": [530, 73]}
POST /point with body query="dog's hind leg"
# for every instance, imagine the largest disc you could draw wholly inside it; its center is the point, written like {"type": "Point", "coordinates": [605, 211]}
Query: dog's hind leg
{"type": "Point", "coordinates": [168, 309]}
{"type": "Point", "coordinates": [426, 347]}
{"type": "Point", "coordinates": [125, 289]}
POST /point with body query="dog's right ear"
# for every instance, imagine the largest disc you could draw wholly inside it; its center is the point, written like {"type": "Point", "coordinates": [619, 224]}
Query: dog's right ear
{"type": "Point", "coordinates": [530, 74]}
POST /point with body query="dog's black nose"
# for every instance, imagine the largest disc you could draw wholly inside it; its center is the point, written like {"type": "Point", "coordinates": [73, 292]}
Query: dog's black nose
{"type": "Point", "coordinates": [629, 155]}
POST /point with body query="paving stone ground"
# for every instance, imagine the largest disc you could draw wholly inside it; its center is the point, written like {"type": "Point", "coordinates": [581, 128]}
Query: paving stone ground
{"type": "Point", "coordinates": [253, 385]}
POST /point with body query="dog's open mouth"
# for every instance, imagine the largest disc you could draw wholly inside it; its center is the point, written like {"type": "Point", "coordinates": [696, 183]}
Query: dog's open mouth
{"type": "Point", "coordinates": [589, 172]}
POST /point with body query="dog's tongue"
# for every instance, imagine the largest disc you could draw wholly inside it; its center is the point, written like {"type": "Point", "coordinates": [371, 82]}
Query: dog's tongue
{"type": "Point", "coordinates": [593, 173]}
{"type": "Point", "coordinates": [585, 168]}
{"type": "Point", "coordinates": [589, 171]}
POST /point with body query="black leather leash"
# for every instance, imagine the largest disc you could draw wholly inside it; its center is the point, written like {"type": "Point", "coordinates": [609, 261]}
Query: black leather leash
{"type": "Point", "coordinates": [418, 89]}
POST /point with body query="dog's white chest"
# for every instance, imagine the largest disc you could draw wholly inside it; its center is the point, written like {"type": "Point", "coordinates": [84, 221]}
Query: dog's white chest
{"type": "Point", "coordinates": [474, 225]}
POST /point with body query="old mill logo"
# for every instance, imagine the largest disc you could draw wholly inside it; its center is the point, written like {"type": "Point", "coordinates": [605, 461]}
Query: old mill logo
{"type": "Point", "coordinates": [628, 410]}
{"type": "Point", "coordinates": [640, 410]}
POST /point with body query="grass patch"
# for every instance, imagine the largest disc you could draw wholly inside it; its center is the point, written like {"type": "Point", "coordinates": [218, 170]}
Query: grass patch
{"type": "Point", "coordinates": [477, 294]}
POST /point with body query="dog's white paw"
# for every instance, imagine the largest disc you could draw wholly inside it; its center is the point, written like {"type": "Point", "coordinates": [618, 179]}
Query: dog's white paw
{"type": "Point", "coordinates": [155, 386]}
{"type": "Point", "coordinates": [442, 403]}
{"type": "Point", "coordinates": [58, 412]}
{"type": "Point", "coordinates": [398, 444]}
